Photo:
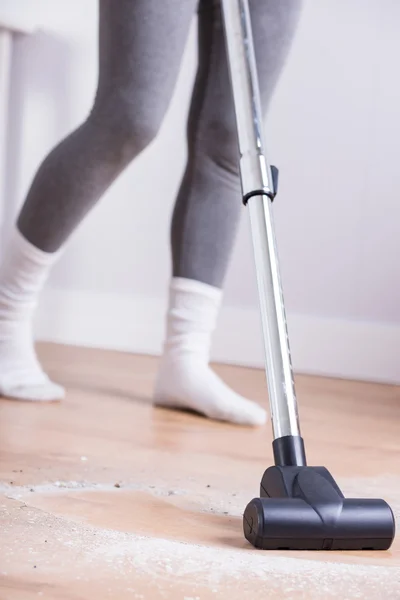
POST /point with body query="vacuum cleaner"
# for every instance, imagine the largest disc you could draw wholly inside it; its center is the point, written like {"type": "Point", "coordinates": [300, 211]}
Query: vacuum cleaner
{"type": "Point", "coordinates": [300, 507]}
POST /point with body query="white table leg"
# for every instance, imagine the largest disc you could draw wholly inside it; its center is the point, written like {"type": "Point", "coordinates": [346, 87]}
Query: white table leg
{"type": "Point", "coordinates": [5, 69]}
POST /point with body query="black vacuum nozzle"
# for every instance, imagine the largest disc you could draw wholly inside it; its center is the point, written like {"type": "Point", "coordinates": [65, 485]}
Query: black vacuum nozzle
{"type": "Point", "coordinates": [302, 508]}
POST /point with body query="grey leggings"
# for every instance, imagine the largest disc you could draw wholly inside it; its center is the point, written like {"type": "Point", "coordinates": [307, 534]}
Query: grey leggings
{"type": "Point", "coordinates": [141, 43]}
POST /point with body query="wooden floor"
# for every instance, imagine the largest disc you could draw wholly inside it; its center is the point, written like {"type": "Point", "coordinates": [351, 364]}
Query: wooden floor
{"type": "Point", "coordinates": [103, 496]}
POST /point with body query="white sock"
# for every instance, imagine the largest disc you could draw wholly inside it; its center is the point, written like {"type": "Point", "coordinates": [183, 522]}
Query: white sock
{"type": "Point", "coordinates": [185, 379]}
{"type": "Point", "coordinates": [23, 273]}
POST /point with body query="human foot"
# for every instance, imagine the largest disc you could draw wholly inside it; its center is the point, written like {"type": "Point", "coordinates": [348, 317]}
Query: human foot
{"type": "Point", "coordinates": [185, 379]}
{"type": "Point", "coordinates": [21, 376]}
{"type": "Point", "coordinates": [191, 385]}
{"type": "Point", "coordinates": [22, 275]}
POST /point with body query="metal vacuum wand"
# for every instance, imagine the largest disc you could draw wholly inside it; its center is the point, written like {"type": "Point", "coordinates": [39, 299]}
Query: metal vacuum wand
{"type": "Point", "coordinates": [259, 189]}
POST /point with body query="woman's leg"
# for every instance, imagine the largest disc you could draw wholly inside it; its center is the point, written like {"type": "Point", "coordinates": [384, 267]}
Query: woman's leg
{"type": "Point", "coordinates": [141, 43]}
{"type": "Point", "coordinates": [208, 209]}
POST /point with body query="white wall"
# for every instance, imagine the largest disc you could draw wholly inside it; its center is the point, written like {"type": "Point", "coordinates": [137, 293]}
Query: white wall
{"type": "Point", "coordinates": [334, 132]}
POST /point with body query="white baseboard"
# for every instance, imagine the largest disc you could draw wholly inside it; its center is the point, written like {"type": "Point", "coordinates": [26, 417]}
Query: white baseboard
{"type": "Point", "coordinates": [330, 347]}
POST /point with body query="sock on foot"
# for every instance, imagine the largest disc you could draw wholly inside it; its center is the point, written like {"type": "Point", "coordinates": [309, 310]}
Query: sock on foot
{"type": "Point", "coordinates": [185, 379]}
{"type": "Point", "coordinates": [23, 273]}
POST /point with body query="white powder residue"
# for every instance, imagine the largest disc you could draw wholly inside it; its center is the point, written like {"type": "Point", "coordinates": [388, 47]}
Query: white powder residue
{"type": "Point", "coordinates": [127, 554]}
{"type": "Point", "coordinates": [211, 499]}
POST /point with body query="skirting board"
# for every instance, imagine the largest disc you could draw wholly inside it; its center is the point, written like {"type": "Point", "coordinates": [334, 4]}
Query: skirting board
{"type": "Point", "coordinates": [329, 347]}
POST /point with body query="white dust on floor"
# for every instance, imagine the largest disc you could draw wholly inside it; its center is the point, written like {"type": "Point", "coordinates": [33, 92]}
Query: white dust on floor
{"type": "Point", "coordinates": [211, 499]}
{"type": "Point", "coordinates": [126, 554]}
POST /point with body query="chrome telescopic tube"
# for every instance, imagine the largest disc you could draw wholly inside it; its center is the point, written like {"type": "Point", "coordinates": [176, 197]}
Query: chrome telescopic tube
{"type": "Point", "coordinates": [258, 193]}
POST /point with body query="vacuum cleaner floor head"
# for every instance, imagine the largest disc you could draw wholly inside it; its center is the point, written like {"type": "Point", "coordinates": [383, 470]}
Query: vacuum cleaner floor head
{"type": "Point", "coordinates": [302, 508]}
